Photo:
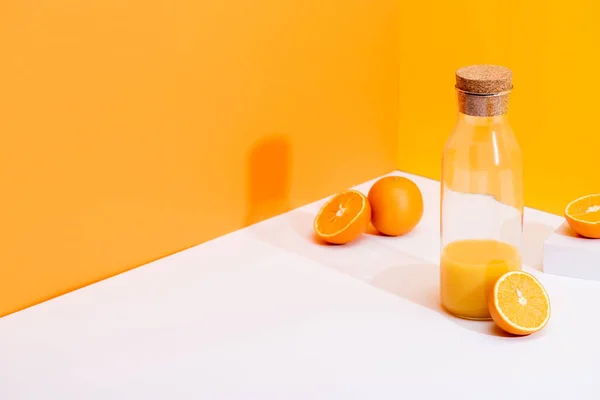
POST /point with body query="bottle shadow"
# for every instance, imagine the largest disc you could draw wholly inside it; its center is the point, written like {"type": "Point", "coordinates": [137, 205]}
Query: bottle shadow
{"type": "Point", "coordinates": [370, 260]}
{"type": "Point", "coordinates": [534, 236]}
{"type": "Point", "coordinates": [419, 283]}
{"type": "Point", "coordinates": [268, 165]}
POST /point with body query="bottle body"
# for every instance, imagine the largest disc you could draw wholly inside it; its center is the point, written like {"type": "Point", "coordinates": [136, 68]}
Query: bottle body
{"type": "Point", "coordinates": [481, 212]}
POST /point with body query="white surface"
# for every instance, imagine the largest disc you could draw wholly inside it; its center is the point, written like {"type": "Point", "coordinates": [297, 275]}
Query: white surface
{"type": "Point", "coordinates": [265, 313]}
{"type": "Point", "coordinates": [568, 254]}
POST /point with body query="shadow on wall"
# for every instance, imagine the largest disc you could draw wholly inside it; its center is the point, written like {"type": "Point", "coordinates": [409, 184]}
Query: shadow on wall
{"type": "Point", "coordinates": [268, 167]}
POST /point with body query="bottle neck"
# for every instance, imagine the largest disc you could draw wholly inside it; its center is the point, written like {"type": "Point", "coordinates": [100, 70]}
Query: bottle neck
{"type": "Point", "coordinates": [483, 105]}
{"type": "Point", "coordinates": [471, 120]}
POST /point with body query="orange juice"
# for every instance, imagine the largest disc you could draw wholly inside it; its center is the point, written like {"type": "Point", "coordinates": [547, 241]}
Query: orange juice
{"type": "Point", "coordinates": [468, 271]}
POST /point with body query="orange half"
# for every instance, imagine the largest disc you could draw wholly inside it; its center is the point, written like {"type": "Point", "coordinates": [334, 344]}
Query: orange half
{"type": "Point", "coordinates": [343, 218]}
{"type": "Point", "coordinates": [583, 216]}
{"type": "Point", "coordinates": [519, 303]}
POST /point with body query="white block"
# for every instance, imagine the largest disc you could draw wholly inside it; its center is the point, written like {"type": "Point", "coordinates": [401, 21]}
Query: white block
{"type": "Point", "coordinates": [568, 254]}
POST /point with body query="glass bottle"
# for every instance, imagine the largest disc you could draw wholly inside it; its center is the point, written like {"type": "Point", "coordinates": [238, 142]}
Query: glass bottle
{"type": "Point", "coordinates": [481, 193]}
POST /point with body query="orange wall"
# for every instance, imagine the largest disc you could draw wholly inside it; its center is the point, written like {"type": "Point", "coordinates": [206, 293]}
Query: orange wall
{"type": "Point", "coordinates": [552, 49]}
{"type": "Point", "coordinates": [131, 130]}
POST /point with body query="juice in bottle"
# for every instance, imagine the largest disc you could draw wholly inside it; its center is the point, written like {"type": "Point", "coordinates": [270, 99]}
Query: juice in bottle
{"type": "Point", "coordinates": [469, 268]}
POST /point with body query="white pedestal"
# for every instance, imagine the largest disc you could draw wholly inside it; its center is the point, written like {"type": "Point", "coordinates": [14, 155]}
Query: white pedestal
{"type": "Point", "coordinates": [568, 254]}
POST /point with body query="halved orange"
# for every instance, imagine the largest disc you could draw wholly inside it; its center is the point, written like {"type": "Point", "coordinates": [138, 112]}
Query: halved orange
{"type": "Point", "coordinates": [583, 215]}
{"type": "Point", "coordinates": [519, 303]}
{"type": "Point", "coordinates": [343, 218]}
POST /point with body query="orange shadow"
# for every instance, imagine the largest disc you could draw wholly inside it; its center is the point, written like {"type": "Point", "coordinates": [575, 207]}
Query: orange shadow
{"type": "Point", "coordinates": [268, 178]}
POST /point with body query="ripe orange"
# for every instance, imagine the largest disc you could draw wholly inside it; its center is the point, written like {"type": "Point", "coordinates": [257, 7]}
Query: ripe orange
{"type": "Point", "coordinates": [583, 215]}
{"type": "Point", "coordinates": [397, 205]}
{"type": "Point", "coordinates": [519, 303]}
{"type": "Point", "coordinates": [343, 218]}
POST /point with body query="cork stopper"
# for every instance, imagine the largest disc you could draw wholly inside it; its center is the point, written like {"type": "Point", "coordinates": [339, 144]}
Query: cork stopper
{"type": "Point", "coordinates": [483, 90]}
{"type": "Point", "coordinates": [484, 79]}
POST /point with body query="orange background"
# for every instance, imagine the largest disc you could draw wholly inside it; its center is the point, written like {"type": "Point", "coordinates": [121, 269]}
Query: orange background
{"type": "Point", "coordinates": [131, 130]}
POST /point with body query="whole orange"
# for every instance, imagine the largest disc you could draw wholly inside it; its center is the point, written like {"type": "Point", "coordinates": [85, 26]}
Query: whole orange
{"type": "Point", "coordinates": [396, 205]}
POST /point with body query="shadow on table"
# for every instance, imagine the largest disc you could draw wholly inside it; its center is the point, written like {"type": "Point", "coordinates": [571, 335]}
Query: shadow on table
{"type": "Point", "coordinates": [566, 230]}
{"type": "Point", "coordinates": [369, 260]}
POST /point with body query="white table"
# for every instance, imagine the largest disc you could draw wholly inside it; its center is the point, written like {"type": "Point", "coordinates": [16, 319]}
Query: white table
{"type": "Point", "coordinates": [265, 313]}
